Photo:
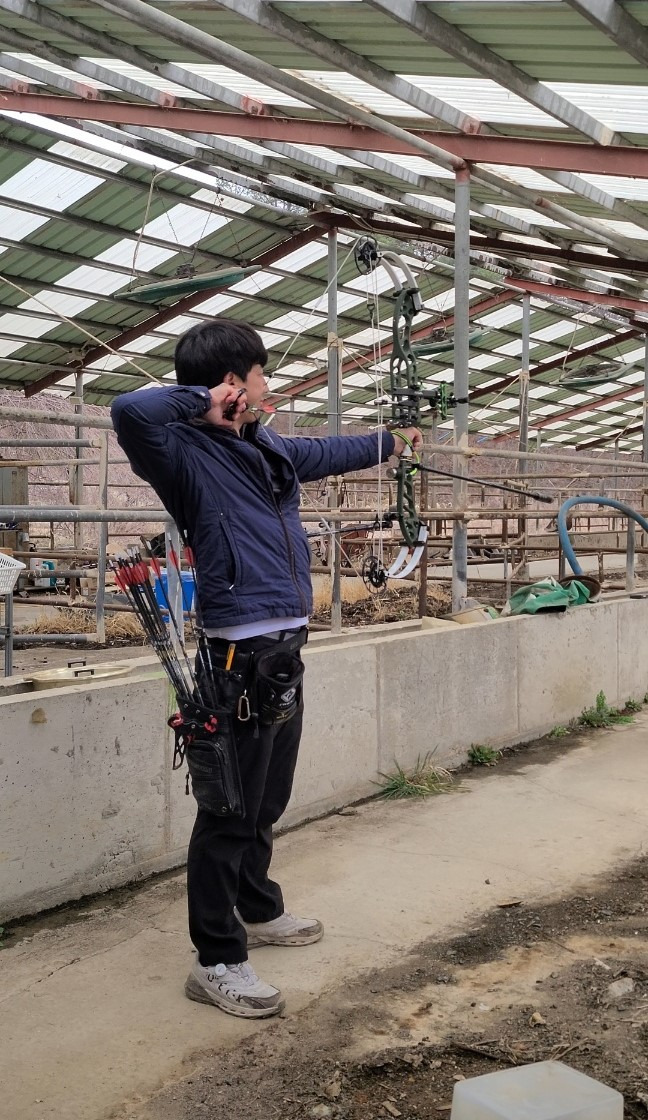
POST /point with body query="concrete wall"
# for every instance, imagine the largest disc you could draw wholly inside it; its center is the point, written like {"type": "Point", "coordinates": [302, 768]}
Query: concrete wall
{"type": "Point", "coordinates": [88, 800]}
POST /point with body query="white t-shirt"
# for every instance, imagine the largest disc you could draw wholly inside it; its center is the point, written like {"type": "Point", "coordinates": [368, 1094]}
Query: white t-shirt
{"type": "Point", "coordinates": [270, 627]}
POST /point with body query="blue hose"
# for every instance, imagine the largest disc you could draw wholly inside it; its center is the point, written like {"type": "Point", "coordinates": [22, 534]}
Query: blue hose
{"type": "Point", "coordinates": [563, 534]}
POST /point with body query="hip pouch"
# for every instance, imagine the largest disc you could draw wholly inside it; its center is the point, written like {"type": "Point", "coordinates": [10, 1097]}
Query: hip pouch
{"type": "Point", "coordinates": [206, 739]}
{"type": "Point", "coordinates": [278, 686]}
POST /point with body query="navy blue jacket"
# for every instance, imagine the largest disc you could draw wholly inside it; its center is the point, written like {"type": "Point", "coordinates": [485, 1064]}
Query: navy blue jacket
{"type": "Point", "coordinates": [252, 555]}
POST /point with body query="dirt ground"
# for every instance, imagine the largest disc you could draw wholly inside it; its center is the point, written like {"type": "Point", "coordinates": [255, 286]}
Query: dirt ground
{"type": "Point", "coordinates": [527, 982]}
{"type": "Point", "coordinates": [566, 981]}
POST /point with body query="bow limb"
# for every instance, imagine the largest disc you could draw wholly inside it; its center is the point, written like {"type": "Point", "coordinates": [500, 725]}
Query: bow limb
{"type": "Point", "coordinates": [406, 393]}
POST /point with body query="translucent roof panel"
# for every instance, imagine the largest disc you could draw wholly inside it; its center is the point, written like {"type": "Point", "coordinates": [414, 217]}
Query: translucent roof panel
{"type": "Point", "coordinates": [90, 208]}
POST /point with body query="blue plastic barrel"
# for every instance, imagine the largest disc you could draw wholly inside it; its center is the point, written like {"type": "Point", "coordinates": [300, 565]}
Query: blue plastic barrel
{"type": "Point", "coordinates": [188, 590]}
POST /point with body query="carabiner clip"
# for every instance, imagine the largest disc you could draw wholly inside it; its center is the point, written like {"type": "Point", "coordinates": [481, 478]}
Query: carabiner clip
{"type": "Point", "coordinates": [244, 711]}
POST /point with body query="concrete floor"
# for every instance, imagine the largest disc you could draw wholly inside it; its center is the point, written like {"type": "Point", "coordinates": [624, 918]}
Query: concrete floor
{"type": "Point", "coordinates": [93, 1015]}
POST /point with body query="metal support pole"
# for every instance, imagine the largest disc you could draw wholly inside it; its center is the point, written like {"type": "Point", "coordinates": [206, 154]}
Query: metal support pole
{"type": "Point", "coordinates": [644, 455]}
{"type": "Point", "coordinates": [76, 475]}
{"type": "Point", "coordinates": [642, 566]}
{"type": "Point", "coordinates": [506, 572]}
{"type": "Point", "coordinates": [616, 479]}
{"type": "Point", "coordinates": [562, 563]}
{"type": "Point", "coordinates": [423, 564]}
{"type": "Point", "coordinates": [103, 542]}
{"type": "Point", "coordinates": [46, 443]}
{"type": "Point", "coordinates": [630, 556]}
{"type": "Point", "coordinates": [34, 416]}
{"type": "Point", "coordinates": [8, 634]}
{"type": "Point", "coordinates": [523, 437]}
{"type": "Point", "coordinates": [461, 382]}
{"type": "Point", "coordinates": [174, 583]}
{"type": "Point", "coordinates": [334, 410]}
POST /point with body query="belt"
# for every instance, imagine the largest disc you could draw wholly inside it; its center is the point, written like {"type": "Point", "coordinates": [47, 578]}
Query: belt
{"type": "Point", "coordinates": [246, 647]}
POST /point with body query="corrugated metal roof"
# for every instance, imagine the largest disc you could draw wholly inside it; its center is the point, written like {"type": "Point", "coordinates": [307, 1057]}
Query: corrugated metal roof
{"type": "Point", "coordinates": [86, 208]}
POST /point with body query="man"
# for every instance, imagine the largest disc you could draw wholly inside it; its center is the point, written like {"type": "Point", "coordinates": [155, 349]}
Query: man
{"type": "Point", "coordinates": [232, 487]}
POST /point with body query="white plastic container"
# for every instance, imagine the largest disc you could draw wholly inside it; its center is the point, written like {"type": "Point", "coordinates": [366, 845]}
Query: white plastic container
{"type": "Point", "coordinates": [544, 1091]}
{"type": "Point", "coordinates": [10, 569]}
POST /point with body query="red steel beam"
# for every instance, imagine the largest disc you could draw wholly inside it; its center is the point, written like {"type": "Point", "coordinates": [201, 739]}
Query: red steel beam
{"type": "Point", "coordinates": [580, 295]}
{"type": "Point", "coordinates": [503, 247]}
{"type": "Point", "coordinates": [511, 151]}
{"type": "Point", "coordinates": [557, 417]}
{"type": "Point", "coordinates": [612, 435]}
{"type": "Point", "coordinates": [386, 348]}
{"type": "Point", "coordinates": [579, 410]}
{"type": "Point", "coordinates": [296, 241]}
{"type": "Point", "coordinates": [557, 363]}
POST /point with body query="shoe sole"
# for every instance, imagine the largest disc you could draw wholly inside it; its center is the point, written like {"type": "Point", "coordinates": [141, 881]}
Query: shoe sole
{"type": "Point", "coordinates": [255, 941]}
{"type": "Point", "coordinates": [196, 992]}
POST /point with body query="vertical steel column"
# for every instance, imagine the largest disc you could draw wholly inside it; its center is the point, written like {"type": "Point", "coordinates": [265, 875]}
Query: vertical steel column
{"type": "Point", "coordinates": [613, 524]}
{"type": "Point", "coordinates": [424, 503]}
{"type": "Point", "coordinates": [334, 410]}
{"type": "Point", "coordinates": [630, 555]}
{"type": "Point", "coordinates": [76, 476]}
{"type": "Point", "coordinates": [642, 564]}
{"type": "Point", "coordinates": [523, 439]}
{"type": "Point", "coordinates": [8, 634]}
{"type": "Point", "coordinates": [461, 382]}
{"type": "Point", "coordinates": [103, 541]}
{"type": "Point", "coordinates": [644, 448]}
{"type": "Point", "coordinates": [174, 583]}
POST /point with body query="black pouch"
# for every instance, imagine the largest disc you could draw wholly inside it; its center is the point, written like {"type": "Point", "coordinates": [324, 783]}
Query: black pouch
{"type": "Point", "coordinates": [278, 686]}
{"type": "Point", "coordinates": [206, 739]}
{"type": "Point", "coordinates": [229, 689]}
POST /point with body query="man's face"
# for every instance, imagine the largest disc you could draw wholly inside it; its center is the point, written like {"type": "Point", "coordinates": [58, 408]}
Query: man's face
{"type": "Point", "coordinates": [255, 385]}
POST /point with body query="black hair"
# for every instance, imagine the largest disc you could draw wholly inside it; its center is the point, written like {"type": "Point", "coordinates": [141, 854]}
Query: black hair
{"type": "Point", "coordinates": [210, 350]}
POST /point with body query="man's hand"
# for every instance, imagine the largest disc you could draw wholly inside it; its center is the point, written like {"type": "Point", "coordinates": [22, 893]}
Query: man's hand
{"type": "Point", "coordinates": [225, 398]}
{"type": "Point", "coordinates": [413, 435]}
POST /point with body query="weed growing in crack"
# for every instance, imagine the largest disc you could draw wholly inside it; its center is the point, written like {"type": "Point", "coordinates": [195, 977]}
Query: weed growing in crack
{"type": "Point", "coordinates": [559, 732]}
{"type": "Point", "coordinates": [422, 781]}
{"type": "Point", "coordinates": [483, 756]}
{"type": "Point", "coordinates": [602, 715]}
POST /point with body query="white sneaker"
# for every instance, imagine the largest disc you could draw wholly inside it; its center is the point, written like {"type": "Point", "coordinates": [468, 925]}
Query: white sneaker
{"type": "Point", "coordinates": [235, 988]}
{"type": "Point", "coordinates": [284, 930]}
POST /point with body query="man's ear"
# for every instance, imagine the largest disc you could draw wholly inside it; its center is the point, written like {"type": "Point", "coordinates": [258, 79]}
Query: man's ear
{"type": "Point", "coordinates": [229, 379]}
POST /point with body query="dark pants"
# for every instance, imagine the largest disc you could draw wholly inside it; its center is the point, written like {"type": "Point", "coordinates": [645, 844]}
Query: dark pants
{"type": "Point", "coordinates": [229, 857]}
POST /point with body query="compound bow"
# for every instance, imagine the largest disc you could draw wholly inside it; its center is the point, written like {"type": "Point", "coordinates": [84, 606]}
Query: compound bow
{"type": "Point", "coordinates": [406, 392]}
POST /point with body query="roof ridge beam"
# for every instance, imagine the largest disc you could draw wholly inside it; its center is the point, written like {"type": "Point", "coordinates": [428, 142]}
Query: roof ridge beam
{"type": "Point", "coordinates": [618, 24]}
{"type": "Point", "coordinates": [598, 230]}
{"type": "Point", "coordinates": [292, 30]}
{"type": "Point", "coordinates": [193, 38]}
{"type": "Point", "coordinates": [451, 40]}
{"type": "Point", "coordinates": [514, 151]}
{"type": "Point", "coordinates": [50, 20]}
